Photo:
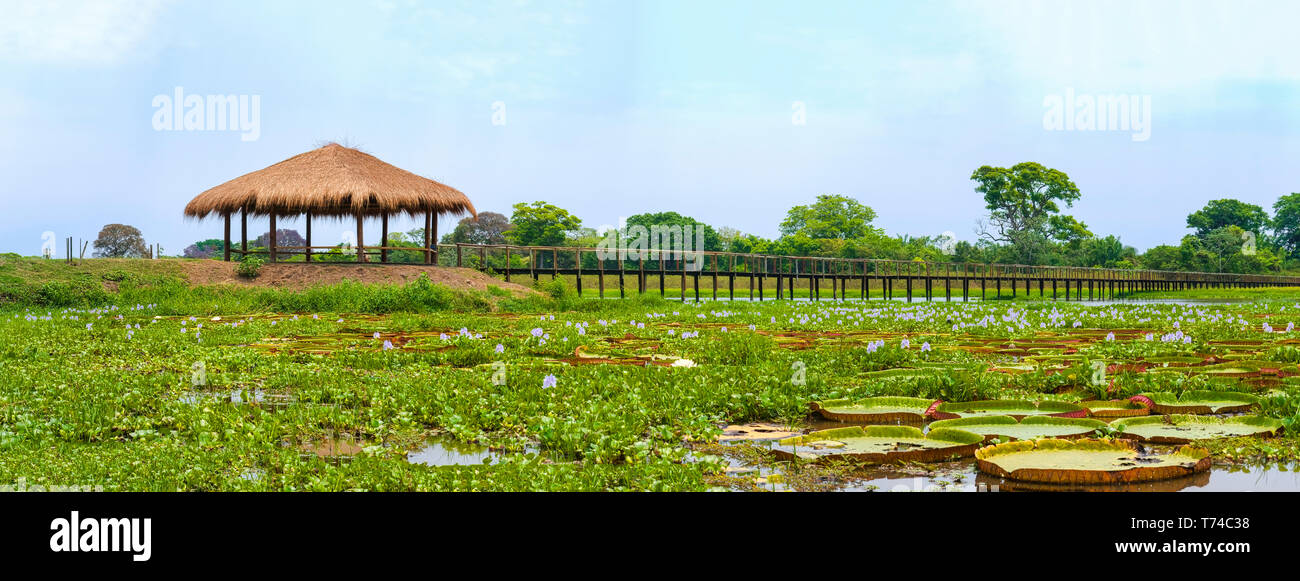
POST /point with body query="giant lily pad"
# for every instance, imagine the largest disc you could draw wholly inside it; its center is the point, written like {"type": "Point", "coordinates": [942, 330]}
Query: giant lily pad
{"type": "Point", "coordinates": [876, 410]}
{"type": "Point", "coordinates": [1087, 461]}
{"type": "Point", "coordinates": [1029, 428]}
{"type": "Point", "coordinates": [1181, 429]}
{"type": "Point", "coordinates": [880, 444]}
{"type": "Point", "coordinates": [1014, 408]}
{"type": "Point", "coordinates": [1117, 408]}
{"type": "Point", "coordinates": [1203, 402]}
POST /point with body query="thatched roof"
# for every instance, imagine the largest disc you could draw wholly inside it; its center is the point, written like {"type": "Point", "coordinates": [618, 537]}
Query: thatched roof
{"type": "Point", "coordinates": [331, 181]}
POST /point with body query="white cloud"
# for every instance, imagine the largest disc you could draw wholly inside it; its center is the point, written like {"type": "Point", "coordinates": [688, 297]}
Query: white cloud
{"type": "Point", "coordinates": [74, 31]}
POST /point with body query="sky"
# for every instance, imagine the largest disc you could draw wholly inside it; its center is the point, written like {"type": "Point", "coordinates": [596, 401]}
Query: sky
{"type": "Point", "coordinates": [729, 112]}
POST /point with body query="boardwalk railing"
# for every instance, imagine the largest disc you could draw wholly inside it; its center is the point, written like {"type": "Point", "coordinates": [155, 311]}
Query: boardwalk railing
{"type": "Point", "coordinates": [778, 277]}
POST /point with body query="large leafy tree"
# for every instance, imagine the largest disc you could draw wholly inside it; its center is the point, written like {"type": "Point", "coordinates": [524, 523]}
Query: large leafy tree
{"type": "Point", "coordinates": [1286, 221]}
{"type": "Point", "coordinates": [120, 241]}
{"type": "Point", "coordinates": [541, 224]}
{"type": "Point", "coordinates": [487, 228]}
{"type": "Point", "coordinates": [672, 219]}
{"type": "Point", "coordinates": [832, 216]}
{"type": "Point", "coordinates": [1228, 212]}
{"type": "Point", "coordinates": [1021, 201]}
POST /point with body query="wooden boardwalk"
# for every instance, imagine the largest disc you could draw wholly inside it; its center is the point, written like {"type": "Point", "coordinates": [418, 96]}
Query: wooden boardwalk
{"type": "Point", "coordinates": [758, 277]}
{"type": "Point", "coordinates": [717, 273]}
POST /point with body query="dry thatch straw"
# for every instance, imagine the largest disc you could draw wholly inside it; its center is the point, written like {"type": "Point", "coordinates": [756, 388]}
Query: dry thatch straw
{"type": "Point", "coordinates": [333, 181]}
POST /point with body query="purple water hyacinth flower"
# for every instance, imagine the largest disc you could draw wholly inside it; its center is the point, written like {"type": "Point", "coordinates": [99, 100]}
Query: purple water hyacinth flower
{"type": "Point", "coordinates": [1290, 327]}
{"type": "Point", "coordinates": [500, 348]}
{"type": "Point", "coordinates": [905, 343]}
{"type": "Point", "coordinates": [582, 330]}
{"type": "Point", "coordinates": [88, 326]}
{"type": "Point", "coordinates": [315, 317]}
{"type": "Point", "coordinates": [724, 329]}
{"type": "Point", "coordinates": [538, 332]}
{"type": "Point", "coordinates": [442, 336]}
{"type": "Point", "coordinates": [752, 327]}
{"type": "Point", "coordinates": [925, 346]}
{"type": "Point", "coordinates": [388, 345]}
{"type": "Point", "coordinates": [1110, 336]}
{"type": "Point", "coordinates": [549, 381]}
{"type": "Point", "coordinates": [376, 334]}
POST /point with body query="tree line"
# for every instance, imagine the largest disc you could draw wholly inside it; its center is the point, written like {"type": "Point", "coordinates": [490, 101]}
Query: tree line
{"type": "Point", "coordinates": [1025, 223]}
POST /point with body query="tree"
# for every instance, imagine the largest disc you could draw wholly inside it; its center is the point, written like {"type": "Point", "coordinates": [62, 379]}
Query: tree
{"type": "Point", "coordinates": [831, 216]}
{"type": "Point", "coordinates": [541, 224]}
{"type": "Point", "coordinates": [1021, 200]}
{"type": "Point", "coordinates": [1286, 221]}
{"type": "Point", "coordinates": [209, 248]}
{"type": "Point", "coordinates": [1228, 212]}
{"type": "Point", "coordinates": [488, 228]}
{"type": "Point", "coordinates": [1163, 257]}
{"type": "Point", "coordinates": [120, 241]}
{"type": "Point", "coordinates": [283, 237]}
{"type": "Point", "coordinates": [672, 220]}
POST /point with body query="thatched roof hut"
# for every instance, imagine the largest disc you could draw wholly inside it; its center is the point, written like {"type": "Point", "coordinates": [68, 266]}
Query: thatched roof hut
{"type": "Point", "coordinates": [333, 181]}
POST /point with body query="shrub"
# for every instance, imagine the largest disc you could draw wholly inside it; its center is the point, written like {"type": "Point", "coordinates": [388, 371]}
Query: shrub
{"type": "Point", "coordinates": [250, 267]}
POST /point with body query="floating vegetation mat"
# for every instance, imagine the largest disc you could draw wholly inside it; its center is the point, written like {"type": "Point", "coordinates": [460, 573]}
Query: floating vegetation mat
{"type": "Point", "coordinates": [875, 410]}
{"type": "Point", "coordinates": [1203, 402]}
{"type": "Point", "coordinates": [1087, 461]}
{"type": "Point", "coordinates": [1181, 429]}
{"type": "Point", "coordinates": [1029, 428]}
{"type": "Point", "coordinates": [1014, 408]}
{"type": "Point", "coordinates": [880, 444]}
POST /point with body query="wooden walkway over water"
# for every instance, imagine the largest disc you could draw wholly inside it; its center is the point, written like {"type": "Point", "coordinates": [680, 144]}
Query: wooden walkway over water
{"type": "Point", "coordinates": [724, 275]}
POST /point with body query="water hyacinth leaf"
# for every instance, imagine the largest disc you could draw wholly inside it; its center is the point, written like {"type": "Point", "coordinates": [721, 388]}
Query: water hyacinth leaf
{"type": "Point", "coordinates": [879, 444]}
{"type": "Point", "coordinates": [1029, 428]}
{"type": "Point", "coordinates": [879, 410]}
{"type": "Point", "coordinates": [1087, 461]}
{"type": "Point", "coordinates": [1183, 429]}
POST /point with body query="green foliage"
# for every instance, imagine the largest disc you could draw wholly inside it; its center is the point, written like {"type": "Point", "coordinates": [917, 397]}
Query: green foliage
{"type": "Point", "coordinates": [1219, 214]}
{"type": "Point", "coordinates": [250, 266]}
{"type": "Point", "coordinates": [540, 224]}
{"type": "Point", "coordinates": [830, 217]}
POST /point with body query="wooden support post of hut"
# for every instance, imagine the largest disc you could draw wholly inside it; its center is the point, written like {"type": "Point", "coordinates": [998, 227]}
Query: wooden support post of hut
{"type": "Point", "coordinates": [271, 243]}
{"type": "Point", "coordinates": [307, 251]}
{"type": "Point", "coordinates": [334, 181]}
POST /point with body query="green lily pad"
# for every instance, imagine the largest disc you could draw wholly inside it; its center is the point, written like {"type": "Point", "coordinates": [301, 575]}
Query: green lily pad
{"type": "Point", "coordinates": [1115, 408]}
{"type": "Point", "coordinates": [1182, 429]}
{"type": "Point", "coordinates": [1014, 408]}
{"type": "Point", "coordinates": [1029, 428]}
{"type": "Point", "coordinates": [1173, 360]}
{"type": "Point", "coordinates": [877, 410]}
{"type": "Point", "coordinates": [1203, 402]}
{"type": "Point", "coordinates": [880, 444]}
{"type": "Point", "coordinates": [1087, 461]}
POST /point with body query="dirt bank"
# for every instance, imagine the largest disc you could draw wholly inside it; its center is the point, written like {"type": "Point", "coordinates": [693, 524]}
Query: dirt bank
{"type": "Point", "coordinates": [300, 276]}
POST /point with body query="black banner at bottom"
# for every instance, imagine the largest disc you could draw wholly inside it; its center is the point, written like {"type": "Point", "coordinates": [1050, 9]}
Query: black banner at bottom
{"type": "Point", "coordinates": [172, 532]}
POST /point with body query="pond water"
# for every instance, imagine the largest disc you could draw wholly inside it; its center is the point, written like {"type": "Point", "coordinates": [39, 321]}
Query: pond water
{"type": "Point", "coordinates": [443, 451]}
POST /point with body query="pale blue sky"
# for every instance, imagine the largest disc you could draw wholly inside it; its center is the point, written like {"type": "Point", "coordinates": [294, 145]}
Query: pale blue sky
{"type": "Point", "coordinates": [617, 107]}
